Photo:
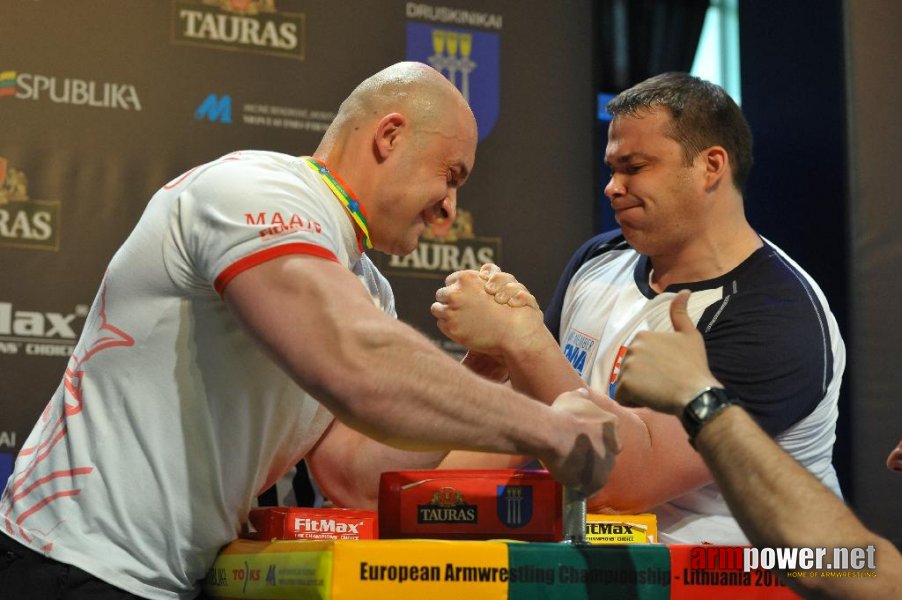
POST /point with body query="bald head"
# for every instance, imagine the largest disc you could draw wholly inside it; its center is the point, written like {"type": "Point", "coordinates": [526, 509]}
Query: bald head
{"type": "Point", "coordinates": [416, 90]}
{"type": "Point", "coordinates": [405, 142]}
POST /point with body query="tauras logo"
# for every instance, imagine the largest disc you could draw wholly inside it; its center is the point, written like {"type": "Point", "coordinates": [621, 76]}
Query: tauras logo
{"type": "Point", "coordinates": [252, 25]}
{"type": "Point", "coordinates": [454, 514]}
{"type": "Point", "coordinates": [325, 526]}
{"type": "Point", "coordinates": [447, 505]}
{"type": "Point", "coordinates": [66, 90]}
{"type": "Point", "coordinates": [25, 223]}
{"type": "Point", "coordinates": [440, 253]}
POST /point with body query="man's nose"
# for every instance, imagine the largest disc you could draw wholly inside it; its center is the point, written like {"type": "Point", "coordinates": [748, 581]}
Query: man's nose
{"type": "Point", "coordinates": [614, 187]}
{"type": "Point", "coordinates": [443, 214]}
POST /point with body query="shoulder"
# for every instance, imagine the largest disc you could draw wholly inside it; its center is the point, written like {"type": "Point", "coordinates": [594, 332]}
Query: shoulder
{"type": "Point", "coordinates": [606, 243]}
{"type": "Point", "coordinates": [772, 286]}
{"type": "Point", "coordinates": [602, 249]}
{"type": "Point", "coordinates": [772, 338]}
{"type": "Point", "coordinates": [605, 246]}
{"type": "Point", "coordinates": [250, 167]}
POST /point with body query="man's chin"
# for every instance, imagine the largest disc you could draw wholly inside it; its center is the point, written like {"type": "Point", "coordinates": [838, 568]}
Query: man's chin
{"type": "Point", "coordinates": [401, 248]}
{"type": "Point", "coordinates": [404, 251]}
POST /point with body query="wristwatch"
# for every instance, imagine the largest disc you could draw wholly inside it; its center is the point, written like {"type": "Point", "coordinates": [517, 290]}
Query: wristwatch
{"type": "Point", "coordinates": [710, 402]}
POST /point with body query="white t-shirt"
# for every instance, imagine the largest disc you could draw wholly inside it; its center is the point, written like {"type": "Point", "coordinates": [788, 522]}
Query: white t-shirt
{"type": "Point", "coordinates": [769, 336]}
{"type": "Point", "coordinates": [170, 419]}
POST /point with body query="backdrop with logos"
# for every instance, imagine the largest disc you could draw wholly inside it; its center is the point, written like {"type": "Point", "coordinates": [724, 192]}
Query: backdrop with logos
{"type": "Point", "coordinates": [103, 103]}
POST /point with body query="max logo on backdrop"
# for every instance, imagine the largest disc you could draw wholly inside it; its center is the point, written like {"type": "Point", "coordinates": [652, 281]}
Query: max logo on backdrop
{"type": "Point", "coordinates": [470, 59]}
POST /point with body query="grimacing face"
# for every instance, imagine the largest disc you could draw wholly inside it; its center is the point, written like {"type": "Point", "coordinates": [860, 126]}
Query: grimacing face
{"type": "Point", "coordinates": [429, 170]}
{"type": "Point", "coordinates": [658, 201]}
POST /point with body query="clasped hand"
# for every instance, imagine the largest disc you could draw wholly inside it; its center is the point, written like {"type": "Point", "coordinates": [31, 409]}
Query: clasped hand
{"type": "Point", "coordinates": [475, 310]}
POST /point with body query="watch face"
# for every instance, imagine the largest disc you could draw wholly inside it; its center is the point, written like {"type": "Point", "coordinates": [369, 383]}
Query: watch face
{"type": "Point", "coordinates": [703, 405]}
{"type": "Point", "coordinates": [702, 408]}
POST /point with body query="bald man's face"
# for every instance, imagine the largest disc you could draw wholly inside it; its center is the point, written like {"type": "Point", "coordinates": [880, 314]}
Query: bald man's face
{"type": "Point", "coordinates": [425, 175]}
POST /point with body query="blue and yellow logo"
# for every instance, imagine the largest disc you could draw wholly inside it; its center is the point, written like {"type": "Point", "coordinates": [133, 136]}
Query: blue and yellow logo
{"type": "Point", "coordinates": [514, 503]}
{"type": "Point", "coordinates": [469, 59]}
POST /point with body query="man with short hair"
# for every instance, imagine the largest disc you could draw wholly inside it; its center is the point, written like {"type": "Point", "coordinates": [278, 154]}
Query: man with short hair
{"type": "Point", "coordinates": [679, 150]}
{"type": "Point", "coordinates": [237, 318]}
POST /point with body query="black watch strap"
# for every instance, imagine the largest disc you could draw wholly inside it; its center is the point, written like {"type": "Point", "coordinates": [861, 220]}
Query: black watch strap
{"type": "Point", "coordinates": [705, 406]}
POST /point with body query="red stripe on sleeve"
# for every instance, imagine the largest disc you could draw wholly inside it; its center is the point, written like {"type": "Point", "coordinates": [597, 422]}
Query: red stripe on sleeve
{"type": "Point", "coordinates": [258, 258]}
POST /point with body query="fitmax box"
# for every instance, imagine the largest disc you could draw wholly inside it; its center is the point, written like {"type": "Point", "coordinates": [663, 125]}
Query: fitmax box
{"type": "Point", "coordinates": [470, 505]}
{"type": "Point", "coordinates": [280, 523]}
{"type": "Point", "coordinates": [621, 529]}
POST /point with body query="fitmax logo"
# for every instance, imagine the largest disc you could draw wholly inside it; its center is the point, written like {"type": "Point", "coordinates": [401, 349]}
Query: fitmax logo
{"type": "Point", "coordinates": [215, 109]}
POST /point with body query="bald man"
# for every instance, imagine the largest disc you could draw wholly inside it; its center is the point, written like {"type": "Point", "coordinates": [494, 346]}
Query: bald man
{"type": "Point", "coordinates": [239, 316]}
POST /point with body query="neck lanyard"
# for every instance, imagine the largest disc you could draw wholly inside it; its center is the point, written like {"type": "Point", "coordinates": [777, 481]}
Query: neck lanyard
{"type": "Point", "coordinates": [347, 199]}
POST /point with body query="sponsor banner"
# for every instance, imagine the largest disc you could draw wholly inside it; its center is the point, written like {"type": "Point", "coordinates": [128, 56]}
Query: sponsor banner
{"type": "Point", "coordinates": [543, 570]}
{"type": "Point", "coordinates": [239, 26]}
{"type": "Point", "coordinates": [469, 58]}
{"type": "Point", "coordinates": [25, 222]}
{"type": "Point", "coordinates": [39, 333]}
{"type": "Point", "coordinates": [59, 89]}
{"type": "Point", "coordinates": [221, 108]}
{"type": "Point", "coordinates": [470, 505]}
{"type": "Point", "coordinates": [271, 571]}
{"type": "Point", "coordinates": [439, 255]}
{"type": "Point", "coordinates": [702, 572]}
{"type": "Point", "coordinates": [435, 569]}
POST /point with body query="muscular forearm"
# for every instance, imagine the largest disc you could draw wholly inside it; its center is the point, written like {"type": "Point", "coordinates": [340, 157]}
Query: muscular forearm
{"type": "Point", "coordinates": [454, 409]}
{"type": "Point", "coordinates": [769, 489]}
{"type": "Point", "coordinates": [347, 465]}
{"type": "Point", "coordinates": [657, 463]}
{"type": "Point", "coordinates": [378, 375]}
{"type": "Point", "coordinates": [648, 471]}
{"type": "Point", "coordinates": [780, 504]}
{"type": "Point", "coordinates": [537, 367]}
{"type": "Point", "coordinates": [385, 380]}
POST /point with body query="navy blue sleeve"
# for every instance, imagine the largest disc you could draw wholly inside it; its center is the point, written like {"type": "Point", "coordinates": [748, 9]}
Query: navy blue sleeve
{"type": "Point", "coordinates": [593, 247]}
{"type": "Point", "coordinates": [769, 343]}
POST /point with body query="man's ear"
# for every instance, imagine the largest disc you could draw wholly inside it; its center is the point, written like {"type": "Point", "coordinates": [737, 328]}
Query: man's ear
{"type": "Point", "coordinates": [716, 161]}
{"type": "Point", "coordinates": [388, 132]}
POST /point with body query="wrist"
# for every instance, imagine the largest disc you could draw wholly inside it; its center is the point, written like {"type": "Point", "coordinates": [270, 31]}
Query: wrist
{"type": "Point", "coordinates": [705, 407]}
{"type": "Point", "coordinates": [685, 393]}
{"type": "Point", "coordinates": [526, 347]}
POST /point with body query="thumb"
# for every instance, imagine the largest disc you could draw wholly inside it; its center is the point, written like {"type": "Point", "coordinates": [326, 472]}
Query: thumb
{"type": "Point", "coordinates": [679, 314]}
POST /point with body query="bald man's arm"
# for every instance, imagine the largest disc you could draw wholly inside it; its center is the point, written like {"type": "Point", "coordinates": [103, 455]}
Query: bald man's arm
{"type": "Point", "coordinates": [385, 380]}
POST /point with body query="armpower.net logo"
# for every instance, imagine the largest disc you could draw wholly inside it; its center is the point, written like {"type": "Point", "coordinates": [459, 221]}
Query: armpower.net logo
{"type": "Point", "coordinates": [814, 562]}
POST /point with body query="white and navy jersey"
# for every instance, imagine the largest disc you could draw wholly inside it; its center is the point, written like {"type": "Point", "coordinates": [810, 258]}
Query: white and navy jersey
{"type": "Point", "coordinates": [170, 418]}
{"type": "Point", "coordinates": [769, 335]}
